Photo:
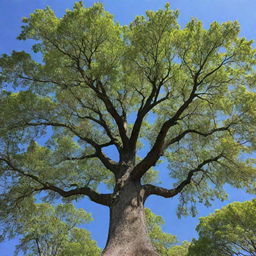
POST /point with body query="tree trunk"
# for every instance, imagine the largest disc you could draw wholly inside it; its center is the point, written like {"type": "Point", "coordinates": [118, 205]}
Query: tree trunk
{"type": "Point", "coordinates": [128, 234]}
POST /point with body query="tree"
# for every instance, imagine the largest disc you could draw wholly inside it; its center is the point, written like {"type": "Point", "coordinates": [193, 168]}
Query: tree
{"type": "Point", "coordinates": [98, 86]}
{"type": "Point", "coordinates": [46, 230]}
{"type": "Point", "coordinates": [230, 231]}
{"type": "Point", "coordinates": [163, 242]}
{"type": "Point", "coordinates": [181, 250]}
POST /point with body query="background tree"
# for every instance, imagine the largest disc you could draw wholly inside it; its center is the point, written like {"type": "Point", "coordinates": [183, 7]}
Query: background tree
{"type": "Point", "coordinates": [46, 230]}
{"type": "Point", "coordinates": [164, 243]}
{"type": "Point", "coordinates": [97, 86]}
{"type": "Point", "coordinates": [230, 231]}
{"type": "Point", "coordinates": [181, 250]}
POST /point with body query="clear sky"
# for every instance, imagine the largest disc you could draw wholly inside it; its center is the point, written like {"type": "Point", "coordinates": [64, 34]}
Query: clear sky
{"type": "Point", "coordinates": [124, 11]}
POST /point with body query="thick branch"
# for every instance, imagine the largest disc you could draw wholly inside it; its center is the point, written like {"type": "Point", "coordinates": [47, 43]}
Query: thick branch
{"type": "Point", "coordinates": [101, 121]}
{"type": "Point", "coordinates": [82, 157]}
{"type": "Point", "coordinates": [167, 193]}
{"type": "Point", "coordinates": [205, 134]}
{"type": "Point", "coordinates": [104, 199]}
{"type": "Point", "coordinates": [157, 149]}
{"type": "Point", "coordinates": [141, 114]}
{"type": "Point", "coordinates": [111, 109]}
{"type": "Point", "coordinates": [102, 95]}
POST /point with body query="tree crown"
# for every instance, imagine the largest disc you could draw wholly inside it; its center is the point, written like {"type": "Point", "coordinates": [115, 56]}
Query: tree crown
{"type": "Point", "coordinates": [229, 231]}
{"type": "Point", "coordinates": [187, 93]}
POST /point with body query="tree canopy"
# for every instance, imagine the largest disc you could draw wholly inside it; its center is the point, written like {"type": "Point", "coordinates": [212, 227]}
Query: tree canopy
{"type": "Point", "coordinates": [165, 243]}
{"type": "Point", "coordinates": [230, 231]}
{"type": "Point", "coordinates": [181, 250]}
{"type": "Point", "coordinates": [46, 230]}
{"type": "Point", "coordinates": [92, 86]}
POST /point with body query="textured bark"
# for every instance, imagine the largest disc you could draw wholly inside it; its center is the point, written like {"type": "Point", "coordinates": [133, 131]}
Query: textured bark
{"type": "Point", "coordinates": [128, 234]}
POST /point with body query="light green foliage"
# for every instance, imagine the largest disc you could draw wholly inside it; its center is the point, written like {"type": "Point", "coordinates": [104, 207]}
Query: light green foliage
{"type": "Point", "coordinates": [179, 250]}
{"type": "Point", "coordinates": [229, 231]}
{"type": "Point", "coordinates": [52, 231]}
{"type": "Point", "coordinates": [163, 242]}
{"type": "Point", "coordinates": [95, 76]}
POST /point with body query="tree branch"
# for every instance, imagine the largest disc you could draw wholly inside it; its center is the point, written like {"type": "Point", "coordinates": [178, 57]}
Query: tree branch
{"type": "Point", "coordinates": [104, 199]}
{"type": "Point", "coordinates": [82, 157]}
{"type": "Point", "coordinates": [102, 95]}
{"type": "Point", "coordinates": [225, 61]}
{"type": "Point", "coordinates": [150, 103]}
{"type": "Point", "coordinates": [167, 193]}
{"type": "Point", "coordinates": [103, 124]}
{"type": "Point", "coordinates": [107, 162]}
{"type": "Point", "coordinates": [141, 114]}
{"type": "Point", "coordinates": [158, 147]}
{"type": "Point", "coordinates": [183, 134]}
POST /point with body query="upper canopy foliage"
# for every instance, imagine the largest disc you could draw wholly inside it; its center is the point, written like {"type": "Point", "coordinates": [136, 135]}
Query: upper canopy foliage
{"type": "Point", "coordinates": [189, 92]}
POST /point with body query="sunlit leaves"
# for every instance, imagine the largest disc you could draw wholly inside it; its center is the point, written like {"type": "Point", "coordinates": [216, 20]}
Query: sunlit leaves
{"type": "Point", "coordinates": [164, 243]}
{"type": "Point", "coordinates": [229, 231]}
{"type": "Point", "coordinates": [49, 230]}
{"type": "Point", "coordinates": [96, 78]}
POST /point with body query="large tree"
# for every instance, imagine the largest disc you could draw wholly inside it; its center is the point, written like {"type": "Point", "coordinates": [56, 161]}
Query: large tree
{"type": "Point", "coordinates": [96, 87]}
{"type": "Point", "coordinates": [230, 231]}
{"type": "Point", "coordinates": [46, 230]}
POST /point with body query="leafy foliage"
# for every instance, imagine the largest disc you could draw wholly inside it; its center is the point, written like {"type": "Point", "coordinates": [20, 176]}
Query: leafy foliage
{"type": "Point", "coordinates": [52, 231]}
{"type": "Point", "coordinates": [181, 250]}
{"type": "Point", "coordinates": [229, 231]}
{"type": "Point", "coordinates": [187, 93]}
{"type": "Point", "coordinates": [164, 243]}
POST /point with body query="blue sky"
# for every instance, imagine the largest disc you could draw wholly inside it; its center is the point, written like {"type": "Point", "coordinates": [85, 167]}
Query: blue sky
{"type": "Point", "coordinates": [11, 12]}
